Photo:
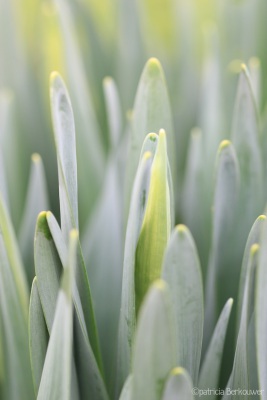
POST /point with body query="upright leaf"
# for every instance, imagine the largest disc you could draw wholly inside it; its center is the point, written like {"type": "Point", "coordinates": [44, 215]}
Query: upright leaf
{"type": "Point", "coordinates": [155, 229]}
{"type": "Point", "coordinates": [210, 370]}
{"type": "Point", "coordinates": [253, 238]}
{"type": "Point", "coordinates": [261, 313]}
{"type": "Point", "coordinates": [38, 336]}
{"type": "Point", "coordinates": [14, 302]}
{"type": "Point", "coordinates": [64, 132]}
{"type": "Point", "coordinates": [154, 351]}
{"type": "Point", "coordinates": [126, 393]}
{"type": "Point", "coordinates": [36, 201]}
{"type": "Point", "coordinates": [151, 113]}
{"type": "Point", "coordinates": [56, 377]}
{"type": "Point", "coordinates": [241, 368]}
{"type": "Point", "coordinates": [113, 108]}
{"type": "Point", "coordinates": [245, 136]}
{"type": "Point", "coordinates": [178, 386]}
{"type": "Point", "coordinates": [127, 313]}
{"type": "Point", "coordinates": [222, 261]}
{"type": "Point", "coordinates": [182, 272]}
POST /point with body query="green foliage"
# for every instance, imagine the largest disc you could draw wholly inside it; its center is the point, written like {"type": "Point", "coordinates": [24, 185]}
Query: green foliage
{"type": "Point", "coordinates": [125, 304]}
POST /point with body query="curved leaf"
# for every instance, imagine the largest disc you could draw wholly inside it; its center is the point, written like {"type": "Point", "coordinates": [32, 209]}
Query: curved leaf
{"type": "Point", "coordinates": [178, 386]}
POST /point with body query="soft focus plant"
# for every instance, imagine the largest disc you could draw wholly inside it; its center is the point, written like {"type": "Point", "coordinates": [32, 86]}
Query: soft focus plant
{"type": "Point", "coordinates": [147, 280]}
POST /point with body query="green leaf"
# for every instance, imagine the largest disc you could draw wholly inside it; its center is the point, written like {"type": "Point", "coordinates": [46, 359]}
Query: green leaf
{"type": "Point", "coordinates": [48, 268]}
{"type": "Point", "coordinates": [245, 136]}
{"type": "Point", "coordinates": [182, 272]}
{"type": "Point", "coordinates": [240, 368]}
{"type": "Point", "coordinates": [36, 201]}
{"type": "Point", "coordinates": [154, 352]}
{"type": "Point", "coordinates": [151, 113]}
{"type": "Point", "coordinates": [64, 133]}
{"type": "Point", "coordinates": [219, 285]}
{"type": "Point", "coordinates": [67, 169]}
{"type": "Point", "coordinates": [38, 336]}
{"type": "Point", "coordinates": [87, 366]}
{"type": "Point", "coordinates": [126, 393]}
{"type": "Point", "coordinates": [261, 313]}
{"type": "Point", "coordinates": [178, 386]}
{"type": "Point", "coordinates": [253, 238]}
{"type": "Point", "coordinates": [155, 229]}
{"type": "Point", "coordinates": [14, 303]}
{"type": "Point", "coordinates": [127, 313]}
{"type": "Point", "coordinates": [210, 370]}
{"type": "Point", "coordinates": [56, 377]}
{"type": "Point", "coordinates": [89, 146]}
{"type": "Point", "coordinates": [113, 107]}
{"type": "Point", "coordinates": [103, 243]}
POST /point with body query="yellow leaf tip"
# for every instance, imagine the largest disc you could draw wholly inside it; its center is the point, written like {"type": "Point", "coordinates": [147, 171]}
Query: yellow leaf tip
{"type": "Point", "coordinates": [224, 144]}
{"type": "Point", "coordinates": [181, 228]}
{"type": "Point", "coordinates": [177, 371]}
{"type": "Point", "coordinates": [107, 80]}
{"type": "Point", "coordinates": [147, 155]}
{"type": "Point", "coordinates": [262, 217]}
{"type": "Point", "coordinates": [160, 285]}
{"type": "Point", "coordinates": [74, 234]}
{"type": "Point", "coordinates": [154, 67]}
{"type": "Point", "coordinates": [254, 249]}
{"type": "Point", "coordinates": [36, 157]}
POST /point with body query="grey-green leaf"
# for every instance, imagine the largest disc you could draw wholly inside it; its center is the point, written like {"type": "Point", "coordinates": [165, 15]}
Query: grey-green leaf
{"type": "Point", "coordinates": [151, 113]}
{"type": "Point", "coordinates": [154, 351]}
{"type": "Point", "coordinates": [36, 201]}
{"type": "Point", "coordinates": [56, 377]}
{"type": "Point", "coordinates": [240, 368]}
{"type": "Point", "coordinates": [253, 238]}
{"type": "Point", "coordinates": [210, 370]}
{"type": "Point", "coordinates": [38, 336]}
{"type": "Point", "coordinates": [178, 386]}
{"type": "Point", "coordinates": [182, 272]}
{"type": "Point", "coordinates": [127, 313]}
{"type": "Point", "coordinates": [14, 302]}
{"type": "Point", "coordinates": [261, 313]}
{"type": "Point", "coordinates": [126, 393]}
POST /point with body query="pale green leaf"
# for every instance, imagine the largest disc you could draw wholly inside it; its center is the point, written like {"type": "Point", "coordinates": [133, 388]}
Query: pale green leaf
{"type": "Point", "coordinates": [151, 113]}
{"type": "Point", "coordinates": [210, 369]}
{"type": "Point", "coordinates": [182, 272]}
{"type": "Point", "coordinates": [178, 386]}
{"type": "Point", "coordinates": [36, 201]}
{"type": "Point", "coordinates": [253, 238]}
{"type": "Point", "coordinates": [114, 114]}
{"type": "Point", "coordinates": [156, 225]}
{"type": "Point", "coordinates": [14, 303]}
{"type": "Point", "coordinates": [261, 313]}
{"type": "Point", "coordinates": [240, 367]}
{"type": "Point", "coordinates": [56, 377]}
{"type": "Point", "coordinates": [245, 137]}
{"type": "Point", "coordinates": [126, 393]}
{"type": "Point", "coordinates": [38, 336]}
{"type": "Point", "coordinates": [154, 351]}
{"type": "Point", "coordinates": [64, 133]}
{"type": "Point", "coordinates": [89, 146]}
{"type": "Point", "coordinates": [127, 313]}
{"type": "Point", "coordinates": [87, 365]}
{"type": "Point", "coordinates": [103, 251]}
{"type": "Point", "coordinates": [219, 285]}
